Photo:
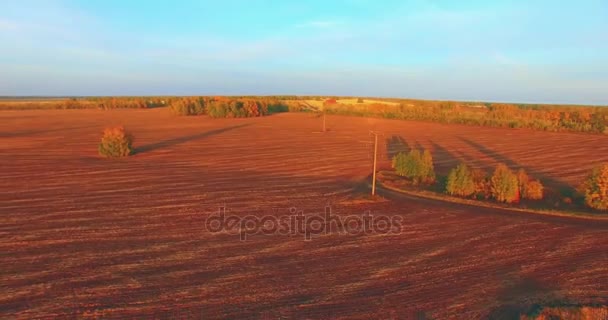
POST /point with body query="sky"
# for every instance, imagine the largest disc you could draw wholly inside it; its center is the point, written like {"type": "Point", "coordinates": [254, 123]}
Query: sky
{"type": "Point", "coordinates": [536, 51]}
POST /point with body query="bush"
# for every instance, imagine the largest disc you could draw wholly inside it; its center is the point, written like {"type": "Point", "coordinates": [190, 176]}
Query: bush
{"type": "Point", "coordinates": [522, 180]}
{"type": "Point", "coordinates": [428, 169]}
{"type": "Point", "coordinates": [419, 168]}
{"type": "Point", "coordinates": [187, 106]}
{"type": "Point", "coordinates": [534, 190]}
{"type": "Point", "coordinates": [529, 189]}
{"type": "Point", "coordinates": [595, 188]}
{"type": "Point", "coordinates": [483, 188]}
{"type": "Point", "coordinates": [179, 107]}
{"type": "Point", "coordinates": [399, 163]}
{"type": "Point", "coordinates": [460, 181]}
{"type": "Point", "coordinates": [115, 143]}
{"type": "Point", "coordinates": [504, 185]}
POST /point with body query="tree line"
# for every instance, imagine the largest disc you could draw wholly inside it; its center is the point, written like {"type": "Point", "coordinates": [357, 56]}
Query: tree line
{"type": "Point", "coordinates": [502, 185]}
{"type": "Point", "coordinates": [592, 119]}
{"type": "Point", "coordinates": [537, 117]}
{"type": "Point", "coordinates": [230, 107]}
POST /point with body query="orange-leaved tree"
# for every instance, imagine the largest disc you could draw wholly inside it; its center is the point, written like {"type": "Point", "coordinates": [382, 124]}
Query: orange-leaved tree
{"type": "Point", "coordinates": [595, 188]}
{"type": "Point", "coordinates": [504, 184]}
{"type": "Point", "coordinates": [460, 181]}
{"type": "Point", "coordinates": [528, 188]}
{"type": "Point", "coordinates": [115, 143]}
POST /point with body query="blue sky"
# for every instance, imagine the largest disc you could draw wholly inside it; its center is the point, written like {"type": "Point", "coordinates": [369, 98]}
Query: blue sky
{"type": "Point", "coordinates": [524, 51]}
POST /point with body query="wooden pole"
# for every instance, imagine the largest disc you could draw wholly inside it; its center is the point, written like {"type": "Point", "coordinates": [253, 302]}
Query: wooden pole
{"type": "Point", "coordinates": [375, 158]}
{"type": "Point", "coordinates": [323, 121]}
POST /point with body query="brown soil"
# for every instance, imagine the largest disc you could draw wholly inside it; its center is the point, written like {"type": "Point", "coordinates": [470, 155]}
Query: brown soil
{"type": "Point", "coordinates": [85, 236]}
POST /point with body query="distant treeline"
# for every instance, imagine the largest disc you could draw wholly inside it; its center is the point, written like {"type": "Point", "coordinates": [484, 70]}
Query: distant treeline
{"type": "Point", "coordinates": [83, 103]}
{"type": "Point", "coordinates": [538, 117]}
{"type": "Point", "coordinates": [231, 107]}
{"type": "Point", "coordinates": [592, 119]}
{"type": "Point", "coordinates": [217, 107]}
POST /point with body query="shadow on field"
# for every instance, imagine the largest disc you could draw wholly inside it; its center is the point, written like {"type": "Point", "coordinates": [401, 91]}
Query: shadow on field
{"type": "Point", "coordinates": [563, 188]}
{"type": "Point", "coordinates": [517, 296]}
{"type": "Point", "coordinates": [444, 159]}
{"type": "Point", "coordinates": [34, 132]}
{"type": "Point", "coordinates": [184, 139]}
{"type": "Point", "coordinates": [395, 145]}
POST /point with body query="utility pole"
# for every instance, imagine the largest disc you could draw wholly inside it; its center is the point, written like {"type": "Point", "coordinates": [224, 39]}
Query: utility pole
{"type": "Point", "coordinates": [375, 161]}
{"type": "Point", "coordinates": [323, 120]}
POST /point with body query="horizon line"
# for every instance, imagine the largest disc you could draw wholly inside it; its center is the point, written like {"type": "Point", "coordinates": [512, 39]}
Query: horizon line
{"type": "Point", "coordinates": [7, 97]}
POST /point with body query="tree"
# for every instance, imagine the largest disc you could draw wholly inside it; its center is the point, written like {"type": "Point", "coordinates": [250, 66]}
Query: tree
{"type": "Point", "coordinates": [428, 169]}
{"type": "Point", "coordinates": [115, 143]}
{"type": "Point", "coordinates": [179, 107]}
{"type": "Point", "coordinates": [522, 180]}
{"type": "Point", "coordinates": [504, 184]}
{"type": "Point", "coordinates": [529, 189]}
{"type": "Point", "coordinates": [534, 190]}
{"type": "Point", "coordinates": [415, 166]}
{"type": "Point", "coordinates": [595, 188]}
{"type": "Point", "coordinates": [402, 163]}
{"type": "Point", "coordinates": [460, 181]}
{"type": "Point", "coordinates": [482, 184]}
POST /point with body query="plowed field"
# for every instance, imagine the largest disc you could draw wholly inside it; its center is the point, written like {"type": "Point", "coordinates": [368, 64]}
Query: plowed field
{"type": "Point", "coordinates": [85, 236]}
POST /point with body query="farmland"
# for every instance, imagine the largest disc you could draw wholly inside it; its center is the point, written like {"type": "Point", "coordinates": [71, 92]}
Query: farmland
{"type": "Point", "coordinates": [87, 237]}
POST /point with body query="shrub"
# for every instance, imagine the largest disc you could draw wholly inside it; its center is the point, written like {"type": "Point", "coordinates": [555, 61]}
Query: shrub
{"type": "Point", "coordinates": [483, 188]}
{"type": "Point", "coordinates": [399, 163]}
{"type": "Point", "coordinates": [460, 181]}
{"type": "Point", "coordinates": [428, 169]}
{"type": "Point", "coordinates": [216, 109]}
{"type": "Point", "coordinates": [360, 100]}
{"type": "Point", "coordinates": [115, 143]}
{"type": "Point", "coordinates": [251, 108]}
{"type": "Point", "coordinates": [534, 190]}
{"type": "Point", "coordinates": [504, 184]}
{"type": "Point", "coordinates": [187, 106]}
{"type": "Point", "coordinates": [179, 107]}
{"type": "Point", "coordinates": [522, 180]}
{"type": "Point", "coordinates": [595, 188]}
{"type": "Point", "coordinates": [419, 168]}
{"type": "Point", "coordinates": [529, 189]}
{"type": "Point", "coordinates": [277, 107]}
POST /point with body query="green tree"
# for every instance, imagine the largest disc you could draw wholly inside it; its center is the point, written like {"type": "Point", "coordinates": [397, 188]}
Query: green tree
{"type": "Point", "coordinates": [460, 181]}
{"type": "Point", "coordinates": [401, 164]}
{"type": "Point", "coordinates": [415, 166]}
{"type": "Point", "coordinates": [504, 184]}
